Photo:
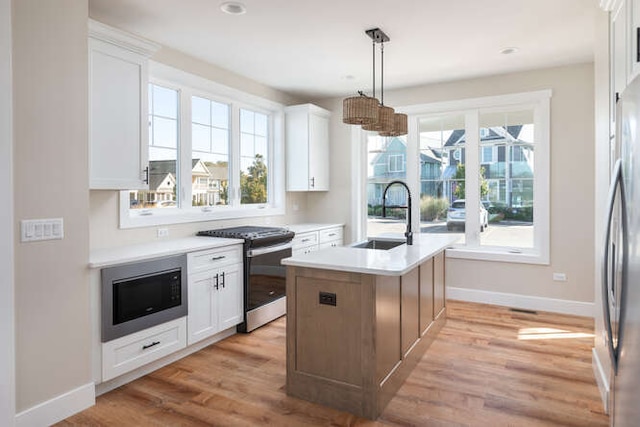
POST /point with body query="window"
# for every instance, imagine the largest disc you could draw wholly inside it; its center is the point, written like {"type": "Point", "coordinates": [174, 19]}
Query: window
{"type": "Point", "coordinates": [481, 169]}
{"type": "Point", "coordinates": [214, 153]}
{"type": "Point", "coordinates": [488, 154]}
{"type": "Point", "coordinates": [396, 163]}
{"type": "Point", "coordinates": [385, 164]}
{"type": "Point", "coordinates": [209, 152]}
{"type": "Point", "coordinates": [163, 150]}
{"type": "Point", "coordinates": [253, 157]}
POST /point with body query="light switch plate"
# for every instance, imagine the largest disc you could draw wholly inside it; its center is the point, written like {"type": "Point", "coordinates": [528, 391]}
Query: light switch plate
{"type": "Point", "coordinates": [32, 230]}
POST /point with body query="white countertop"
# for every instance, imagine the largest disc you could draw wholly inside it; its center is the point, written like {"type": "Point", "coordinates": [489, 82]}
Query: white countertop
{"type": "Point", "coordinates": [302, 228]}
{"type": "Point", "coordinates": [123, 254]}
{"type": "Point", "coordinates": [392, 262]}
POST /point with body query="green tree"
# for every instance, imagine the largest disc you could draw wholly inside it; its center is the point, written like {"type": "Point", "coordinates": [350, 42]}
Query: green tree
{"type": "Point", "coordinates": [253, 184]}
{"type": "Point", "coordinates": [460, 182]}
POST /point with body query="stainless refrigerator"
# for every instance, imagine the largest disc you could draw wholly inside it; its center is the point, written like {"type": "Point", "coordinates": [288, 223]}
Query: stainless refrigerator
{"type": "Point", "coordinates": [621, 264]}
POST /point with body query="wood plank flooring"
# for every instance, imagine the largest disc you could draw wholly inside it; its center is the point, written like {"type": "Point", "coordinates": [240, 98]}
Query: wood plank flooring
{"type": "Point", "coordinates": [477, 373]}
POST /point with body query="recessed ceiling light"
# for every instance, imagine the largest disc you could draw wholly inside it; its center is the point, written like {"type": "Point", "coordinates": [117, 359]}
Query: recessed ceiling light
{"type": "Point", "coordinates": [349, 77]}
{"type": "Point", "coordinates": [509, 50]}
{"type": "Point", "coordinates": [233, 8]}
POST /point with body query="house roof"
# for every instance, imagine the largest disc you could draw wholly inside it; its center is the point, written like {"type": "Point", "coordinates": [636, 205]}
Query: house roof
{"type": "Point", "coordinates": [458, 136]}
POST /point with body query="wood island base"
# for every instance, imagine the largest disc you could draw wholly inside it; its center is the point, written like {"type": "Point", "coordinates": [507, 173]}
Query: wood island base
{"type": "Point", "coordinates": [354, 338]}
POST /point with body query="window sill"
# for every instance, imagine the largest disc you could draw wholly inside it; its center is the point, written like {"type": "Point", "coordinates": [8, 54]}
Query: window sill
{"type": "Point", "coordinates": [179, 216]}
{"type": "Point", "coordinates": [499, 255]}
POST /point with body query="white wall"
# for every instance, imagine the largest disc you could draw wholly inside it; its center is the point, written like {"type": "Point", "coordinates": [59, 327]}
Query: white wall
{"type": "Point", "coordinates": [601, 183]}
{"type": "Point", "coordinates": [104, 204]}
{"type": "Point", "coordinates": [7, 345]}
{"type": "Point", "coordinates": [50, 92]}
{"type": "Point", "coordinates": [572, 177]}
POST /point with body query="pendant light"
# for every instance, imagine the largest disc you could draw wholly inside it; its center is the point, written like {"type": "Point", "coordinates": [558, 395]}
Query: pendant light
{"type": "Point", "coordinates": [387, 122]}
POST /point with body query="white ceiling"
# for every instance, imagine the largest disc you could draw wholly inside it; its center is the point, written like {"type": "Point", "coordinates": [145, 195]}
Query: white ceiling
{"type": "Point", "coordinates": [319, 48]}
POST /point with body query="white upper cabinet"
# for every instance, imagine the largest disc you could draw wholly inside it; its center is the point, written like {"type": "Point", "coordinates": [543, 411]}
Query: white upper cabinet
{"type": "Point", "coordinates": [633, 18]}
{"type": "Point", "coordinates": [118, 119]}
{"type": "Point", "coordinates": [307, 140]}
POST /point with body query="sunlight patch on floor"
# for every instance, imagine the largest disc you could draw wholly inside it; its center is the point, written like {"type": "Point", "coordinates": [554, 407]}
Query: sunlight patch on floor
{"type": "Point", "coordinates": [549, 334]}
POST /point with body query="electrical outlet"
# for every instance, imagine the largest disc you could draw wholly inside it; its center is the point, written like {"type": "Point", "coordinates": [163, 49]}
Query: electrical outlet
{"type": "Point", "coordinates": [559, 277]}
{"type": "Point", "coordinates": [163, 232]}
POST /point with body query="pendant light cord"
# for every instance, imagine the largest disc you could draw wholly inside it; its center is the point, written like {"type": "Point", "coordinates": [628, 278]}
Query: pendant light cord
{"type": "Point", "coordinates": [373, 45]}
{"type": "Point", "coordinates": [381, 73]}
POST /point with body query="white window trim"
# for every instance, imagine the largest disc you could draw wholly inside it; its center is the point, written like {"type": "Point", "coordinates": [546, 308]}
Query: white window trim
{"type": "Point", "coordinates": [541, 100]}
{"type": "Point", "coordinates": [192, 85]}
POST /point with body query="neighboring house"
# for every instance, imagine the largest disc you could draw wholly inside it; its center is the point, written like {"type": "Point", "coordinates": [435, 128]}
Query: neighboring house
{"type": "Point", "coordinates": [507, 162]}
{"type": "Point", "coordinates": [390, 164]}
{"type": "Point", "coordinates": [207, 183]}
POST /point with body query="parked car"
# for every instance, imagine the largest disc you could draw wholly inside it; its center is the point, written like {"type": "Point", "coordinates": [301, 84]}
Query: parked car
{"type": "Point", "coordinates": [456, 215]}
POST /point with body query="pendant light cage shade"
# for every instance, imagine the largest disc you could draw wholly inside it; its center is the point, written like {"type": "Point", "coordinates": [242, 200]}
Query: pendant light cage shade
{"type": "Point", "coordinates": [384, 122]}
{"type": "Point", "coordinates": [360, 110]}
{"type": "Point", "coordinates": [400, 126]}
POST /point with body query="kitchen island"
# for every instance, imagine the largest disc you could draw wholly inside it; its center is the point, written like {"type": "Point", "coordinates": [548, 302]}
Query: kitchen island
{"type": "Point", "coordinates": [359, 320]}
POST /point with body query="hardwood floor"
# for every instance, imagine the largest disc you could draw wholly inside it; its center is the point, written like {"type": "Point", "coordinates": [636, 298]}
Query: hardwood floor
{"type": "Point", "coordinates": [489, 366]}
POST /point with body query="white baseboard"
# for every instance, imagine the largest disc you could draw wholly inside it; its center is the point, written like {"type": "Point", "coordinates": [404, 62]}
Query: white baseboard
{"type": "Point", "coordinates": [58, 408]}
{"type": "Point", "coordinates": [601, 379]}
{"type": "Point", "coordinates": [526, 302]}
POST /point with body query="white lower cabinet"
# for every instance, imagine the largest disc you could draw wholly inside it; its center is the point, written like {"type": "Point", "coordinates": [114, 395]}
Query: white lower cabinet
{"type": "Point", "coordinates": [310, 241]}
{"type": "Point", "coordinates": [215, 294]}
{"type": "Point", "coordinates": [132, 351]}
{"type": "Point", "coordinates": [304, 243]}
{"type": "Point", "coordinates": [330, 238]}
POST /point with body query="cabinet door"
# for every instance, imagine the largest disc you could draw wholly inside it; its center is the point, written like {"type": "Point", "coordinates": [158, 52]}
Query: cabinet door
{"type": "Point", "coordinates": [229, 296]}
{"type": "Point", "coordinates": [619, 51]}
{"type": "Point", "coordinates": [118, 108]}
{"type": "Point", "coordinates": [426, 295]}
{"type": "Point", "coordinates": [438, 284]}
{"type": "Point", "coordinates": [409, 309]}
{"type": "Point", "coordinates": [634, 38]}
{"type": "Point", "coordinates": [202, 320]}
{"type": "Point", "coordinates": [318, 153]}
{"type": "Point", "coordinates": [307, 142]}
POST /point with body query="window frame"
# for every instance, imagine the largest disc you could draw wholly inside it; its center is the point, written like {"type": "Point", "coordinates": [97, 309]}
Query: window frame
{"type": "Point", "coordinates": [540, 101]}
{"type": "Point", "coordinates": [190, 85]}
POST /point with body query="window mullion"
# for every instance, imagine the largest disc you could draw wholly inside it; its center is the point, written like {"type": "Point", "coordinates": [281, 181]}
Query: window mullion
{"type": "Point", "coordinates": [184, 149]}
{"type": "Point", "coordinates": [472, 178]}
{"type": "Point", "coordinates": [234, 161]}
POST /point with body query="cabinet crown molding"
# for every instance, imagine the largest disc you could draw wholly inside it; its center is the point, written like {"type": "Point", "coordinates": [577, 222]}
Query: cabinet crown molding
{"type": "Point", "coordinates": [137, 44]}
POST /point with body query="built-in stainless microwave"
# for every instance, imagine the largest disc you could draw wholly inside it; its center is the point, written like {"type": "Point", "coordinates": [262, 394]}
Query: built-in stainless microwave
{"type": "Point", "coordinates": [139, 295]}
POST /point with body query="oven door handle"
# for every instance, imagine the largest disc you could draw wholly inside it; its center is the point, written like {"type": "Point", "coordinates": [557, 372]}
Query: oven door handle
{"type": "Point", "coordinates": [268, 249]}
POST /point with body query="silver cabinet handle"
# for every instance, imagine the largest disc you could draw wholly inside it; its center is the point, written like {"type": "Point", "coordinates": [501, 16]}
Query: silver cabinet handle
{"type": "Point", "coordinates": [217, 258]}
{"type": "Point", "coordinates": [222, 276]}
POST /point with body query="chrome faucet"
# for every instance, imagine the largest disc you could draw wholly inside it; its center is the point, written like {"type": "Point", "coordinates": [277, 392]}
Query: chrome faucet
{"type": "Point", "coordinates": [408, 234]}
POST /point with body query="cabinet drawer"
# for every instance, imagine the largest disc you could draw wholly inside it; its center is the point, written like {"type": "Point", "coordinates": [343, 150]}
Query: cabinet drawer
{"type": "Point", "coordinates": [333, 244]}
{"type": "Point", "coordinates": [303, 240]}
{"type": "Point", "coordinates": [331, 234]}
{"type": "Point", "coordinates": [214, 258]}
{"type": "Point", "coordinates": [132, 351]}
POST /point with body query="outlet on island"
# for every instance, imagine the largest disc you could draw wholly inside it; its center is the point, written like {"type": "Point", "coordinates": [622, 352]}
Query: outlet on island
{"type": "Point", "coordinates": [328, 298]}
{"type": "Point", "coordinates": [163, 232]}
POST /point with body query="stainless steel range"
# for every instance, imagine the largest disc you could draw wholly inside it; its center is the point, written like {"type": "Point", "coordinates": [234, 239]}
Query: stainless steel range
{"type": "Point", "coordinates": [264, 276]}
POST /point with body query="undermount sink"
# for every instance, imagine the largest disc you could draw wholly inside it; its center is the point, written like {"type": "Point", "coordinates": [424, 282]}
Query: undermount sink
{"type": "Point", "coordinates": [384, 245]}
